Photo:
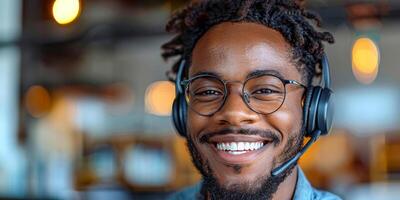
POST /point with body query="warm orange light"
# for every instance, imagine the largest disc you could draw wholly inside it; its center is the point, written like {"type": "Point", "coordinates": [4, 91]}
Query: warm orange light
{"type": "Point", "coordinates": [66, 11]}
{"type": "Point", "coordinates": [37, 101]}
{"type": "Point", "coordinates": [159, 98]}
{"type": "Point", "coordinates": [365, 60]}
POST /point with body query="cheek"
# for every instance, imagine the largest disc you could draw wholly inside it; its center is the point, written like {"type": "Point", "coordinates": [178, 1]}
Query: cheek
{"type": "Point", "coordinates": [288, 119]}
{"type": "Point", "coordinates": [195, 123]}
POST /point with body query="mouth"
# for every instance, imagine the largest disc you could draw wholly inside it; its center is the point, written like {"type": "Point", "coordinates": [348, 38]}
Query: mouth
{"type": "Point", "coordinates": [238, 149]}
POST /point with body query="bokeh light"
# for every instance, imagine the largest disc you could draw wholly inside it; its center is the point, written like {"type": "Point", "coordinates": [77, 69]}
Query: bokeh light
{"type": "Point", "coordinates": [365, 60]}
{"type": "Point", "coordinates": [159, 98]}
{"type": "Point", "coordinates": [37, 101]}
{"type": "Point", "coordinates": [66, 11]}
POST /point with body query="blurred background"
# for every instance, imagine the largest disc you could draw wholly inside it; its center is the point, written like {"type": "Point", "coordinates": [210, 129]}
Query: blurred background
{"type": "Point", "coordinates": [85, 108]}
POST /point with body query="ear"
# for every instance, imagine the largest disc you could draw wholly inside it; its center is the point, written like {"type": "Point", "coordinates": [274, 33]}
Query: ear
{"type": "Point", "coordinates": [303, 99]}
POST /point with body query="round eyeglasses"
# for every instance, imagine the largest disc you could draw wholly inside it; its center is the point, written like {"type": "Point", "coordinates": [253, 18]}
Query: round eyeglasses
{"type": "Point", "coordinates": [264, 94]}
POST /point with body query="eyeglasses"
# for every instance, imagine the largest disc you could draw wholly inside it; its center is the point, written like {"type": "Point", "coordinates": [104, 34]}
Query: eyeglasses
{"type": "Point", "coordinates": [264, 93]}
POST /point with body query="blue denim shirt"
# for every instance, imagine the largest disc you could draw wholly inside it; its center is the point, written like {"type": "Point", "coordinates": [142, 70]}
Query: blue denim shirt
{"type": "Point", "coordinates": [304, 191]}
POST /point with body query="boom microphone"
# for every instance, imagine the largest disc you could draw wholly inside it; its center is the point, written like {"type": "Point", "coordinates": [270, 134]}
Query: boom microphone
{"type": "Point", "coordinates": [284, 166]}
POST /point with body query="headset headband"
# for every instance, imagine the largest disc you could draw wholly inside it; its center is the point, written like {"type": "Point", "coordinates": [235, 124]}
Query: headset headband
{"type": "Point", "coordinates": [326, 72]}
{"type": "Point", "coordinates": [178, 88]}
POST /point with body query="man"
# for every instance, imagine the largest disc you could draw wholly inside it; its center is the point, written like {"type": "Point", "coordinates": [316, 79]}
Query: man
{"type": "Point", "coordinates": [246, 67]}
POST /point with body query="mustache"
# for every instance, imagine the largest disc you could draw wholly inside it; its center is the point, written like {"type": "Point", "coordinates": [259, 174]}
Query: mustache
{"type": "Point", "coordinates": [267, 134]}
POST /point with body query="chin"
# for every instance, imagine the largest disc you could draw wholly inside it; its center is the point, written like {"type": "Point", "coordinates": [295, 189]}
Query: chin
{"type": "Point", "coordinates": [244, 185]}
{"type": "Point", "coordinates": [240, 177]}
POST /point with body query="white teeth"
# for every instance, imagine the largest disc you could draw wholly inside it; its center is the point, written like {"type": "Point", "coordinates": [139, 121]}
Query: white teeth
{"type": "Point", "coordinates": [239, 146]}
{"type": "Point", "coordinates": [233, 146]}
{"type": "Point", "coordinates": [247, 145]}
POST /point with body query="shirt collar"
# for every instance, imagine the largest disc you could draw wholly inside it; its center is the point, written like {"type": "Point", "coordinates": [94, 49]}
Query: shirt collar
{"type": "Point", "coordinates": [303, 189]}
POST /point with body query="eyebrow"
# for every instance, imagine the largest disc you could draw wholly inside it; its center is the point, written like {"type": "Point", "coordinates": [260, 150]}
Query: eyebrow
{"type": "Point", "coordinates": [266, 71]}
{"type": "Point", "coordinates": [207, 73]}
{"type": "Point", "coordinates": [250, 75]}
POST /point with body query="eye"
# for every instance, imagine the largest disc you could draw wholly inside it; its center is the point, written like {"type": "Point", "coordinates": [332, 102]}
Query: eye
{"type": "Point", "coordinates": [207, 93]}
{"type": "Point", "coordinates": [265, 91]}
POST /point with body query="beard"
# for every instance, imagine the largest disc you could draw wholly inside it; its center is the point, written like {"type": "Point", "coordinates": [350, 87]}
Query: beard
{"type": "Point", "coordinates": [262, 188]}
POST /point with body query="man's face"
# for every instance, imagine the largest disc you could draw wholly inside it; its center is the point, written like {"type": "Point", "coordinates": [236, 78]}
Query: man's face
{"type": "Point", "coordinates": [233, 51]}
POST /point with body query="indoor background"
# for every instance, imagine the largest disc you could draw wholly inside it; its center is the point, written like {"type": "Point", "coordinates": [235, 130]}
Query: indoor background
{"type": "Point", "coordinates": [85, 105]}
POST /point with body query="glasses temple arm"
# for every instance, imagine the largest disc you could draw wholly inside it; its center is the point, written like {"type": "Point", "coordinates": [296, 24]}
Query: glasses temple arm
{"type": "Point", "coordinates": [295, 83]}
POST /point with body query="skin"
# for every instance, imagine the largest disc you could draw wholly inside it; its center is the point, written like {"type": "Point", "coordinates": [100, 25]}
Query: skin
{"type": "Point", "coordinates": [233, 50]}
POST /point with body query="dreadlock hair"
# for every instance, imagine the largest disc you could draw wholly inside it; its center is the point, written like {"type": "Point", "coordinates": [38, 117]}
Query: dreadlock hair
{"type": "Point", "coordinates": [285, 16]}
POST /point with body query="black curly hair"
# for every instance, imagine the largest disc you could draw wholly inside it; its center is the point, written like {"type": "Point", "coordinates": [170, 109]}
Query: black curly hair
{"type": "Point", "coordinates": [285, 16]}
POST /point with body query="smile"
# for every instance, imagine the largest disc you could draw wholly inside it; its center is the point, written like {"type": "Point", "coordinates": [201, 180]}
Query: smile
{"type": "Point", "coordinates": [239, 149]}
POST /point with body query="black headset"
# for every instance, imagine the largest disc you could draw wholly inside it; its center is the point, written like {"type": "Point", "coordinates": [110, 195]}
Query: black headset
{"type": "Point", "coordinates": [179, 106]}
{"type": "Point", "coordinates": [318, 105]}
{"type": "Point", "coordinates": [317, 110]}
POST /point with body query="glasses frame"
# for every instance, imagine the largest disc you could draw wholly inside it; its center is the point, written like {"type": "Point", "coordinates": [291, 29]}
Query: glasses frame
{"type": "Point", "coordinates": [244, 95]}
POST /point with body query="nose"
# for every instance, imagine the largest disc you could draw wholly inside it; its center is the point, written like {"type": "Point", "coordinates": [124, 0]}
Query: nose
{"type": "Point", "coordinates": [235, 111]}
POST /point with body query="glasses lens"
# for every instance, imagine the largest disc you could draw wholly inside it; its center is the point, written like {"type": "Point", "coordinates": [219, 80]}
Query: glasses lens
{"type": "Point", "coordinates": [265, 93]}
{"type": "Point", "coordinates": [205, 95]}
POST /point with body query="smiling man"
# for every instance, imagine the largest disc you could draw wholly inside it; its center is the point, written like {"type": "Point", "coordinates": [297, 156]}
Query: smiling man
{"type": "Point", "coordinates": [243, 75]}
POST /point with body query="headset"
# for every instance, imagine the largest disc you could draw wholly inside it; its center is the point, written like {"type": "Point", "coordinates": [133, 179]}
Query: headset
{"type": "Point", "coordinates": [317, 111]}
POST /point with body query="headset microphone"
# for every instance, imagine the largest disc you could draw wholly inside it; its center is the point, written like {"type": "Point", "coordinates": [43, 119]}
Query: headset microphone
{"type": "Point", "coordinates": [295, 158]}
{"type": "Point", "coordinates": [317, 114]}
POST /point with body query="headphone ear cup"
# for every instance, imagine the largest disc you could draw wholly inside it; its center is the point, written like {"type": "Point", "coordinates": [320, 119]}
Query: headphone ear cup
{"type": "Point", "coordinates": [179, 115]}
{"type": "Point", "coordinates": [183, 112]}
{"type": "Point", "coordinates": [175, 115]}
{"type": "Point", "coordinates": [325, 111]}
{"type": "Point", "coordinates": [306, 108]}
{"type": "Point", "coordinates": [313, 110]}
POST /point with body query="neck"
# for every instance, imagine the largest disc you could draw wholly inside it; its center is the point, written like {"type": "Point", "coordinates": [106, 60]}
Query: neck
{"type": "Point", "coordinates": [287, 187]}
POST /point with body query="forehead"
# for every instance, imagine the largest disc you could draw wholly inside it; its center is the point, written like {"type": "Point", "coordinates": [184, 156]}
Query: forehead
{"type": "Point", "coordinates": [234, 50]}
